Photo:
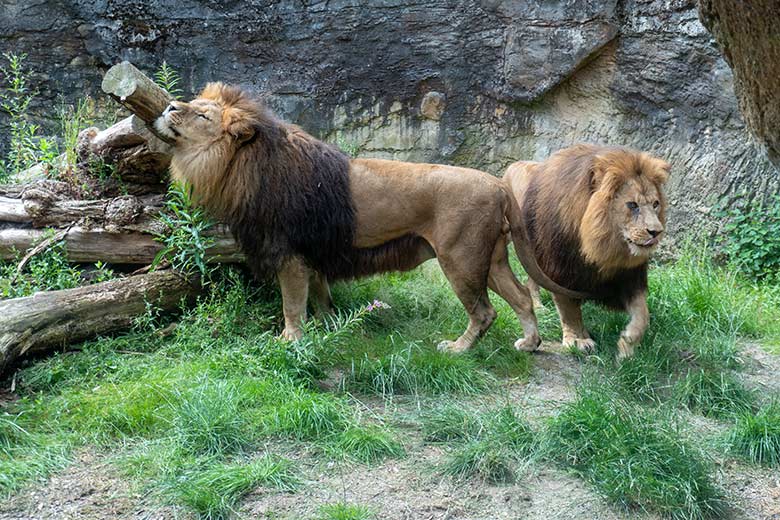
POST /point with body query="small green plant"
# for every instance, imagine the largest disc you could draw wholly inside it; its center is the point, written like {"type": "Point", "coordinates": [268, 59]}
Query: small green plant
{"type": "Point", "coordinates": [756, 436]}
{"type": "Point", "coordinates": [367, 444]}
{"type": "Point", "coordinates": [306, 415]}
{"type": "Point", "coordinates": [47, 271]}
{"type": "Point", "coordinates": [350, 148]}
{"type": "Point", "coordinates": [209, 420]}
{"type": "Point", "coordinates": [752, 237]}
{"type": "Point", "coordinates": [450, 423]}
{"type": "Point", "coordinates": [213, 492]}
{"type": "Point", "coordinates": [633, 457]}
{"type": "Point", "coordinates": [344, 511]}
{"type": "Point", "coordinates": [417, 370]}
{"type": "Point", "coordinates": [494, 444]}
{"type": "Point", "coordinates": [168, 78]}
{"type": "Point", "coordinates": [185, 241]}
{"type": "Point", "coordinates": [714, 393]}
{"type": "Point", "coordinates": [73, 119]}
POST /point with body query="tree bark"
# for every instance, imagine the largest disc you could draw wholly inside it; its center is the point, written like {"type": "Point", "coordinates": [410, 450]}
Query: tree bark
{"type": "Point", "coordinates": [49, 320]}
{"type": "Point", "coordinates": [139, 94]}
{"type": "Point", "coordinates": [748, 34]}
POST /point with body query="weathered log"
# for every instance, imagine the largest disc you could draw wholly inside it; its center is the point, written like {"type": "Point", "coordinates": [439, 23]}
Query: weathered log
{"type": "Point", "coordinates": [50, 320]}
{"type": "Point", "coordinates": [139, 94]}
{"type": "Point", "coordinates": [89, 245]}
{"type": "Point", "coordinates": [136, 154]}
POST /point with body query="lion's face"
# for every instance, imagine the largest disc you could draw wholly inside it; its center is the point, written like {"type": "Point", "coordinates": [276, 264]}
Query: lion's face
{"type": "Point", "coordinates": [195, 123]}
{"type": "Point", "coordinates": [626, 213]}
{"type": "Point", "coordinates": [639, 215]}
{"type": "Point", "coordinates": [221, 114]}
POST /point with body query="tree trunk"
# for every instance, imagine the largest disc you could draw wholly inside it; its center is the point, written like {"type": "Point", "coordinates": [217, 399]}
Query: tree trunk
{"type": "Point", "coordinates": [50, 320]}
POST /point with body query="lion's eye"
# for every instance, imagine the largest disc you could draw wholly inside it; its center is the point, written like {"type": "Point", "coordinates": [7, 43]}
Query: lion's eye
{"type": "Point", "coordinates": [633, 206]}
{"type": "Point", "coordinates": [656, 204]}
{"type": "Point", "coordinates": [204, 117]}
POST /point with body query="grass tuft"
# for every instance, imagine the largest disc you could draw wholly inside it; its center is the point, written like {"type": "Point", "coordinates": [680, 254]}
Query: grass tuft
{"type": "Point", "coordinates": [306, 415]}
{"type": "Point", "coordinates": [449, 423]}
{"type": "Point", "coordinates": [418, 371]}
{"type": "Point", "coordinates": [494, 442]}
{"type": "Point", "coordinates": [756, 436]}
{"type": "Point", "coordinates": [367, 444]}
{"type": "Point", "coordinates": [344, 511]}
{"type": "Point", "coordinates": [633, 458]}
{"type": "Point", "coordinates": [209, 420]}
{"type": "Point", "coordinates": [714, 393]}
{"type": "Point", "coordinates": [213, 492]}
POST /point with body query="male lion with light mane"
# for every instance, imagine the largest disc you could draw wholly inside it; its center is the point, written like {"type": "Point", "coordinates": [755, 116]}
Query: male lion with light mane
{"type": "Point", "coordinates": [593, 215]}
{"type": "Point", "coordinates": [303, 210]}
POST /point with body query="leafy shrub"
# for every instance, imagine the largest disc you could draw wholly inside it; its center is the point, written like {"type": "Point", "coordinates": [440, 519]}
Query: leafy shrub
{"type": "Point", "coordinates": [185, 242]}
{"type": "Point", "coordinates": [752, 240]}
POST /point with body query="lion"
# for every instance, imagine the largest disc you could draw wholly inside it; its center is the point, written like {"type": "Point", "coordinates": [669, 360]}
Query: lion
{"type": "Point", "coordinates": [594, 215]}
{"type": "Point", "coordinates": [302, 210]}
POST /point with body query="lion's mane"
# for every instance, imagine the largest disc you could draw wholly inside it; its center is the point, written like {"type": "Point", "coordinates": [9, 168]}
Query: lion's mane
{"type": "Point", "coordinates": [283, 193]}
{"type": "Point", "coordinates": [571, 228]}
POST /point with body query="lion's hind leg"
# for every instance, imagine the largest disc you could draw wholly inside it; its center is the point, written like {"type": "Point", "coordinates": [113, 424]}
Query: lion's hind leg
{"type": "Point", "coordinates": [319, 294]}
{"type": "Point", "coordinates": [471, 290]}
{"type": "Point", "coordinates": [503, 282]}
{"type": "Point", "coordinates": [575, 335]}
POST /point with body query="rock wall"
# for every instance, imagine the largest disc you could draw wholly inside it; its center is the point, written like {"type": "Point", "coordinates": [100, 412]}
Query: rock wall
{"type": "Point", "coordinates": [469, 82]}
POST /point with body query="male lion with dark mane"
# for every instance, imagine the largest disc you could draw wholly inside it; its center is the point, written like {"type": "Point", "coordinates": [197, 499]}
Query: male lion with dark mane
{"type": "Point", "coordinates": [593, 215]}
{"type": "Point", "coordinates": [303, 210]}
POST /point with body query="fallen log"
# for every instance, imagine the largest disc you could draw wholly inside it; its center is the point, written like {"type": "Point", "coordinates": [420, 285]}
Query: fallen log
{"type": "Point", "coordinates": [54, 319]}
{"type": "Point", "coordinates": [138, 93]}
{"type": "Point", "coordinates": [90, 245]}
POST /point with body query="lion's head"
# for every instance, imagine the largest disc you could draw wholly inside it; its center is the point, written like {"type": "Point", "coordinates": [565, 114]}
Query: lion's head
{"type": "Point", "coordinates": [282, 191]}
{"type": "Point", "coordinates": [210, 135]}
{"type": "Point", "coordinates": [626, 213]}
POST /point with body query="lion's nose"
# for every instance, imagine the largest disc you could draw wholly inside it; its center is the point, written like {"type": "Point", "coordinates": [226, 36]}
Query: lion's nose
{"type": "Point", "coordinates": [654, 232]}
{"type": "Point", "coordinates": [170, 108]}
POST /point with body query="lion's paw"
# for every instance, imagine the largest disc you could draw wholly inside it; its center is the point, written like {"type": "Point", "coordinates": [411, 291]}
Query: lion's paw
{"type": "Point", "coordinates": [529, 344]}
{"type": "Point", "coordinates": [291, 334]}
{"type": "Point", "coordinates": [625, 348]}
{"type": "Point", "coordinates": [584, 345]}
{"type": "Point", "coordinates": [451, 347]}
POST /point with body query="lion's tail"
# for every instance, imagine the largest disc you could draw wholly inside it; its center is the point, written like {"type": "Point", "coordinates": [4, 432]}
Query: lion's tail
{"type": "Point", "coordinates": [400, 254]}
{"type": "Point", "coordinates": [524, 250]}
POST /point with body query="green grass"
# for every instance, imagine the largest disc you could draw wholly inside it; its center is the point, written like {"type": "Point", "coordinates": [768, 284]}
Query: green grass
{"type": "Point", "coordinates": [714, 393]}
{"type": "Point", "coordinates": [209, 420]}
{"type": "Point", "coordinates": [634, 457]}
{"type": "Point", "coordinates": [367, 444]}
{"type": "Point", "coordinates": [213, 492]}
{"type": "Point", "coordinates": [418, 370]}
{"type": "Point", "coordinates": [344, 511]}
{"type": "Point", "coordinates": [450, 423]}
{"type": "Point", "coordinates": [488, 445]}
{"type": "Point", "coordinates": [182, 412]}
{"type": "Point", "coordinates": [756, 436]}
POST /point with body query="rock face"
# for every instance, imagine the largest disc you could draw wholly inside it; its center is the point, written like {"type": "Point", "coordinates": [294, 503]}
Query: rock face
{"type": "Point", "coordinates": [748, 33]}
{"type": "Point", "coordinates": [469, 82]}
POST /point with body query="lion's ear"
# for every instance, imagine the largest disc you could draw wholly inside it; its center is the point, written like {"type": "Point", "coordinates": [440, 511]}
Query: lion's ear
{"type": "Point", "coordinates": [597, 172]}
{"type": "Point", "coordinates": [661, 171]}
{"type": "Point", "coordinates": [238, 124]}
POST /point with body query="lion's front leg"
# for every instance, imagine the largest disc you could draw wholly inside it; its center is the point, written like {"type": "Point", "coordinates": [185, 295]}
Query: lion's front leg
{"type": "Point", "coordinates": [635, 330]}
{"type": "Point", "coordinates": [294, 282]}
{"type": "Point", "coordinates": [575, 335]}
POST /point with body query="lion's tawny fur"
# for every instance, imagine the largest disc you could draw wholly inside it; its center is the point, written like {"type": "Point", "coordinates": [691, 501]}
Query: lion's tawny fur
{"type": "Point", "coordinates": [569, 209]}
